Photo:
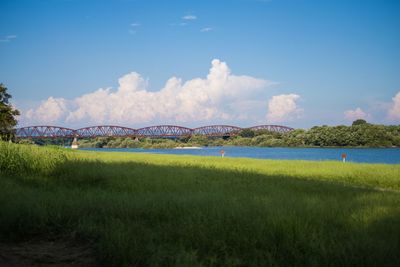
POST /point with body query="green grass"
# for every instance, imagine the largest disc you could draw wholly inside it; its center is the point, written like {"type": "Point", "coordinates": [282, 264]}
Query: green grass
{"type": "Point", "coordinates": [164, 210]}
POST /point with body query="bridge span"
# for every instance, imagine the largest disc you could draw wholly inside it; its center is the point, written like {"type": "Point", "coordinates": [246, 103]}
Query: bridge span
{"type": "Point", "coordinates": [158, 131]}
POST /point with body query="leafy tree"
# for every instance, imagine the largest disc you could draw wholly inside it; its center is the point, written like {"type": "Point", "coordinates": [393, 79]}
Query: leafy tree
{"type": "Point", "coordinates": [247, 133]}
{"type": "Point", "coordinates": [295, 138]}
{"type": "Point", "coordinates": [359, 122]}
{"type": "Point", "coordinates": [199, 140]}
{"type": "Point", "coordinates": [7, 115]}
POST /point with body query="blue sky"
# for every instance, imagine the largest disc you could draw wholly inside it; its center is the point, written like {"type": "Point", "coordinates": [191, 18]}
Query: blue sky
{"type": "Point", "coordinates": [293, 62]}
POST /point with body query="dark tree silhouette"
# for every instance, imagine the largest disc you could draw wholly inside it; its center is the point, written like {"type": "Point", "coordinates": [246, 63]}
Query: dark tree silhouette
{"type": "Point", "coordinates": [359, 122]}
{"type": "Point", "coordinates": [7, 115]}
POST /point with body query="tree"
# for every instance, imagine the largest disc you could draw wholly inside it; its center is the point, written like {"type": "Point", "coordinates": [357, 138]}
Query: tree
{"type": "Point", "coordinates": [359, 122]}
{"type": "Point", "coordinates": [7, 115]}
{"type": "Point", "coordinates": [247, 133]}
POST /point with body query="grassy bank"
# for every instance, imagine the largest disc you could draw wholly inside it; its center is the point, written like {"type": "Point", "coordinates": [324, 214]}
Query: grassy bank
{"type": "Point", "coordinates": [157, 210]}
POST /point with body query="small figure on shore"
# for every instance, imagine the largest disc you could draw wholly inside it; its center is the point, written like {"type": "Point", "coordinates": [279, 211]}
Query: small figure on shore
{"type": "Point", "coordinates": [344, 156]}
{"type": "Point", "coordinates": [222, 153]}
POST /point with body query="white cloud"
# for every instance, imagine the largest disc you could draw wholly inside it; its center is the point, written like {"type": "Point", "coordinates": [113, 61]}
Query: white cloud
{"type": "Point", "coordinates": [283, 108]}
{"type": "Point", "coordinates": [194, 101]}
{"type": "Point", "coordinates": [8, 38]}
{"type": "Point", "coordinates": [135, 24]}
{"type": "Point", "coordinates": [394, 110]}
{"type": "Point", "coordinates": [49, 111]}
{"type": "Point", "coordinates": [206, 29]}
{"type": "Point", "coordinates": [356, 114]}
{"type": "Point", "coordinates": [189, 17]}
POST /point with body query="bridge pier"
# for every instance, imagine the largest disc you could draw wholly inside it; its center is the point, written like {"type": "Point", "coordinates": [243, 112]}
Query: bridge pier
{"type": "Point", "coordinates": [75, 144]}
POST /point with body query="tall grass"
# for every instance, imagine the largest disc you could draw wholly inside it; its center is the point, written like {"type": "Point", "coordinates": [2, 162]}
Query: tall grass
{"type": "Point", "coordinates": [28, 159]}
{"type": "Point", "coordinates": [382, 176]}
{"type": "Point", "coordinates": [158, 210]}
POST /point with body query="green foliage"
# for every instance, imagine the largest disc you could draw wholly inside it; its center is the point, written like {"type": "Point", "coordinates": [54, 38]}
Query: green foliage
{"type": "Point", "coordinates": [238, 141]}
{"type": "Point", "coordinates": [295, 138]}
{"type": "Point", "coordinates": [198, 140]}
{"type": "Point", "coordinates": [29, 159]}
{"type": "Point", "coordinates": [247, 133]}
{"type": "Point", "coordinates": [47, 141]}
{"type": "Point", "coordinates": [7, 115]}
{"type": "Point", "coordinates": [359, 122]}
{"type": "Point", "coordinates": [164, 210]}
{"type": "Point", "coordinates": [357, 135]}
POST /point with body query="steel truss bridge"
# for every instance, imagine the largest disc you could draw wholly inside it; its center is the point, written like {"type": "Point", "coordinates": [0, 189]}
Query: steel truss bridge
{"type": "Point", "coordinates": [158, 131]}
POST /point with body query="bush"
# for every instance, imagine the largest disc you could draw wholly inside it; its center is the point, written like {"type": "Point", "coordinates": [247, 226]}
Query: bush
{"type": "Point", "coordinates": [247, 133]}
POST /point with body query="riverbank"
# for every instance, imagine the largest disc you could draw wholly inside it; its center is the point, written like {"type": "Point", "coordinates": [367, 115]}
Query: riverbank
{"type": "Point", "coordinates": [142, 209]}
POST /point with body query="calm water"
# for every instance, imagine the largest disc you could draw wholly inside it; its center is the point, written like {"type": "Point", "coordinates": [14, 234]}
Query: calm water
{"type": "Point", "coordinates": [370, 155]}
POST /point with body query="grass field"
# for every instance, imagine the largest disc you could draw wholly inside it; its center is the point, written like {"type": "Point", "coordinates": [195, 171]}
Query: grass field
{"type": "Point", "coordinates": [164, 210]}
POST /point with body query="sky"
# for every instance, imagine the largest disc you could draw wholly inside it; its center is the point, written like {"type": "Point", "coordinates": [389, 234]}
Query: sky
{"type": "Point", "coordinates": [137, 63]}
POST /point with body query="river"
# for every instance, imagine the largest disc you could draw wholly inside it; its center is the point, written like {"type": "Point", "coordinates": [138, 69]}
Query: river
{"type": "Point", "coordinates": [367, 155]}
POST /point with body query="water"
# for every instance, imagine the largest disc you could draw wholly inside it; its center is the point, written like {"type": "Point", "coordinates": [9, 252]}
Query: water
{"type": "Point", "coordinates": [368, 155]}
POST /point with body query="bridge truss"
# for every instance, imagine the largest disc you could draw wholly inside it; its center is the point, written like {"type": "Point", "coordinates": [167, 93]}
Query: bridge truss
{"type": "Point", "coordinates": [45, 132]}
{"type": "Point", "coordinates": [104, 130]}
{"type": "Point", "coordinates": [158, 131]}
{"type": "Point", "coordinates": [161, 131]}
{"type": "Point", "coordinates": [217, 130]}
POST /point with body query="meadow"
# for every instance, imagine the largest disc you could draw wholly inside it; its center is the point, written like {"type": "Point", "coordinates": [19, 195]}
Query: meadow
{"type": "Point", "coordinates": [164, 210]}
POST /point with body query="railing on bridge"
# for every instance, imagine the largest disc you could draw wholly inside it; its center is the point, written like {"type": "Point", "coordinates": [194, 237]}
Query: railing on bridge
{"type": "Point", "coordinates": [159, 131]}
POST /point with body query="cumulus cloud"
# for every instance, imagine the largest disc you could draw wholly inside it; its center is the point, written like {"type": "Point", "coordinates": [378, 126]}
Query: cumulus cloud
{"type": "Point", "coordinates": [394, 110]}
{"type": "Point", "coordinates": [283, 108]}
{"type": "Point", "coordinates": [196, 100]}
{"type": "Point", "coordinates": [49, 111]}
{"type": "Point", "coordinates": [356, 114]}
